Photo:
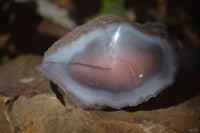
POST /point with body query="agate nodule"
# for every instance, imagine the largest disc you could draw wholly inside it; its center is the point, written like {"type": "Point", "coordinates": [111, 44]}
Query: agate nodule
{"type": "Point", "coordinates": [111, 62]}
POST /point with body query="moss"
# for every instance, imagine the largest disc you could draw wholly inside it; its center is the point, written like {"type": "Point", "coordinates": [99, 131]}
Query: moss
{"type": "Point", "coordinates": [110, 7]}
{"type": "Point", "coordinates": [5, 58]}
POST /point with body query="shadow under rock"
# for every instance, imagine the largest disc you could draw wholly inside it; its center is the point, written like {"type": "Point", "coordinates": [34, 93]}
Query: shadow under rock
{"type": "Point", "coordinates": [58, 94]}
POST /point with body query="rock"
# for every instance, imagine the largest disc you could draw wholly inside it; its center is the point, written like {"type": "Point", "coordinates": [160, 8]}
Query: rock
{"type": "Point", "coordinates": [27, 105]}
{"type": "Point", "coordinates": [21, 77]}
{"type": "Point", "coordinates": [4, 122]}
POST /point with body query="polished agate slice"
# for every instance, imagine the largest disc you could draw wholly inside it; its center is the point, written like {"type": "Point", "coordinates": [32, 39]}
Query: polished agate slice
{"type": "Point", "coordinates": [109, 62]}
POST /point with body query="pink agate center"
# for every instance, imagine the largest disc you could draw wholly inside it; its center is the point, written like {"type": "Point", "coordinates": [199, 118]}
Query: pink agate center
{"type": "Point", "coordinates": [121, 66]}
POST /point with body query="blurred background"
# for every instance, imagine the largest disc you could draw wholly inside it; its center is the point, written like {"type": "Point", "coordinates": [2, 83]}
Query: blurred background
{"type": "Point", "coordinates": [32, 26]}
